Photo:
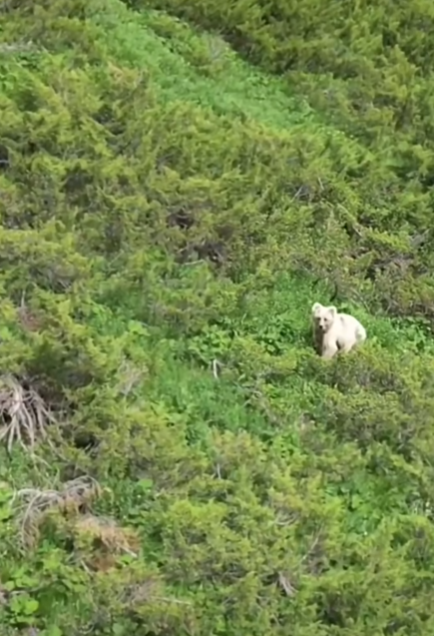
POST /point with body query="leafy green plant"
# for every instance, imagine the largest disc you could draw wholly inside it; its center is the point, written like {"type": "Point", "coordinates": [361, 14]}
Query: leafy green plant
{"type": "Point", "coordinates": [174, 456]}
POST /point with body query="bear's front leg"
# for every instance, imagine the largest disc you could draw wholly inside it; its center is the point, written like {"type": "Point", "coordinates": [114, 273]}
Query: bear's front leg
{"type": "Point", "coordinates": [317, 341]}
{"type": "Point", "coordinates": [329, 351]}
{"type": "Point", "coordinates": [346, 348]}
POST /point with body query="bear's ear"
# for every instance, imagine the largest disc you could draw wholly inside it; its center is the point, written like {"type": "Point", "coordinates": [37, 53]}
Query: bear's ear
{"type": "Point", "coordinates": [316, 307]}
{"type": "Point", "coordinates": [332, 311]}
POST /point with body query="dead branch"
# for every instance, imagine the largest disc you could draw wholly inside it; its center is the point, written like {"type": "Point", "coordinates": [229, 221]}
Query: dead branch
{"type": "Point", "coordinates": [24, 415]}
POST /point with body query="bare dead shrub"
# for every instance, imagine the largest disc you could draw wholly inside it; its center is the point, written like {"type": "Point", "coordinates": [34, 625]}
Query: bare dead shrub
{"type": "Point", "coordinates": [33, 505]}
{"type": "Point", "coordinates": [100, 540]}
{"type": "Point", "coordinates": [130, 377]}
{"type": "Point", "coordinates": [24, 415]}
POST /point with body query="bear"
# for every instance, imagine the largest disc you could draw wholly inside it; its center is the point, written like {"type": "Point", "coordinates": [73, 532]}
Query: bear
{"type": "Point", "coordinates": [334, 332]}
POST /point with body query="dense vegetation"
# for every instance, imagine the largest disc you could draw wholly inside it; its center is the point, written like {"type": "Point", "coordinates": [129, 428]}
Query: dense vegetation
{"type": "Point", "coordinates": [175, 195]}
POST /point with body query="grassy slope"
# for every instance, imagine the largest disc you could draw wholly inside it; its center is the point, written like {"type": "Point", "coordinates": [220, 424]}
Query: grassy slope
{"type": "Point", "coordinates": [283, 469]}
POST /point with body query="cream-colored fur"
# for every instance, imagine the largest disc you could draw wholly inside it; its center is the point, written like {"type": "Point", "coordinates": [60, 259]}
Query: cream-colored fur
{"type": "Point", "coordinates": [335, 332]}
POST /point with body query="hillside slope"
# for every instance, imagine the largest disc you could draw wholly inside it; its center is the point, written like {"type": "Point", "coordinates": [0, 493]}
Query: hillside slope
{"type": "Point", "coordinates": [175, 458]}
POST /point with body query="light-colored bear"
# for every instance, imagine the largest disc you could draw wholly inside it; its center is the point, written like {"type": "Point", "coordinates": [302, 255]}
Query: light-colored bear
{"type": "Point", "coordinates": [335, 332]}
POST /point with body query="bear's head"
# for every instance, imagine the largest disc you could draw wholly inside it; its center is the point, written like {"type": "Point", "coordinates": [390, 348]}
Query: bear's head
{"type": "Point", "coordinates": [324, 317]}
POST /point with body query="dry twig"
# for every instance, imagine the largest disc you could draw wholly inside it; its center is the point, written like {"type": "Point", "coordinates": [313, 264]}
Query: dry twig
{"type": "Point", "coordinates": [286, 584]}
